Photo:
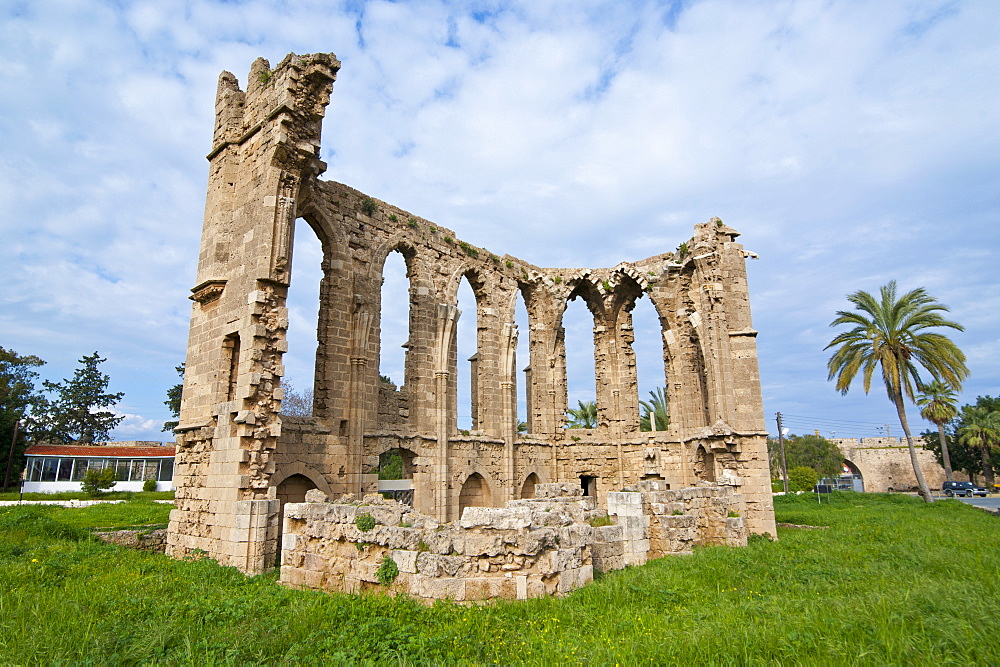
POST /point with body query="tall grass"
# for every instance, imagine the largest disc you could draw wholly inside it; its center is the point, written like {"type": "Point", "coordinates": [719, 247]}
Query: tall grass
{"type": "Point", "coordinates": [892, 580]}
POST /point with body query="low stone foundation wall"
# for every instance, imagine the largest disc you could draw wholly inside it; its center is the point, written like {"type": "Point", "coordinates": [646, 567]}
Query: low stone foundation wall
{"type": "Point", "coordinates": [657, 522]}
{"type": "Point", "coordinates": [547, 545]}
{"type": "Point", "coordinates": [145, 540]}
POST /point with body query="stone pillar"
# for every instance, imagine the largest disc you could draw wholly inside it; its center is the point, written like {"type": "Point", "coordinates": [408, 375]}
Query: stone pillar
{"type": "Point", "coordinates": [508, 401]}
{"type": "Point", "coordinates": [356, 423]}
{"type": "Point", "coordinates": [447, 321]}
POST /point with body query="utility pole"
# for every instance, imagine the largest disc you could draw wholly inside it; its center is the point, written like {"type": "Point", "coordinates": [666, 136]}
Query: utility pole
{"type": "Point", "coordinates": [10, 457]}
{"type": "Point", "coordinates": [781, 442]}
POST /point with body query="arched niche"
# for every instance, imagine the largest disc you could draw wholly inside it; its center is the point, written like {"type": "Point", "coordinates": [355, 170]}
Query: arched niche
{"type": "Point", "coordinates": [528, 487]}
{"type": "Point", "coordinates": [475, 493]}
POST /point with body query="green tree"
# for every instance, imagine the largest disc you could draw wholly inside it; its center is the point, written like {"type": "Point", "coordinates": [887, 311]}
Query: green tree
{"type": "Point", "coordinates": [76, 414]}
{"type": "Point", "coordinates": [809, 451]}
{"type": "Point", "coordinates": [802, 478]}
{"type": "Point", "coordinates": [980, 429]}
{"type": "Point", "coordinates": [173, 401]}
{"type": "Point", "coordinates": [18, 400]}
{"type": "Point", "coordinates": [964, 459]}
{"type": "Point", "coordinates": [98, 480]}
{"type": "Point", "coordinates": [891, 333]}
{"type": "Point", "coordinates": [584, 416]}
{"type": "Point", "coordinates": [937, 405]}
{"type": "Point", "coordinates": [657, 408]}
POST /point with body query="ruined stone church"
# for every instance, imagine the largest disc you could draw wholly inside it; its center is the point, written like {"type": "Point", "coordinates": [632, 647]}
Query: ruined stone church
{"type": "Point", "coordinates": [240, 461]}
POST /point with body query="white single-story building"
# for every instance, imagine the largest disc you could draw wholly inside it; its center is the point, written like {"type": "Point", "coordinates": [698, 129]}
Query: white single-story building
{"type": "Point", "coordinates": [53, 468]}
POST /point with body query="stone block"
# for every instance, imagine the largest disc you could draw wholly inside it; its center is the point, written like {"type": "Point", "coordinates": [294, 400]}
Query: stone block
{"type": "Point", "coordinates": [608, 563]}
{"type": "Point", "coordinates": [406, 561]}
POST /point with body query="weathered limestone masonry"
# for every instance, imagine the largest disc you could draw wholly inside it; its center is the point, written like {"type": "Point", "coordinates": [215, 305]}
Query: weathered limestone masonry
{"type": "Point", "coordinates": [154, 540]}
{"type": "Point", "coordinates": [884, 463]}
{"type": "Point", "coordinates": [533, 547]}
{"type": "Point", "coordinates": [239, 461]}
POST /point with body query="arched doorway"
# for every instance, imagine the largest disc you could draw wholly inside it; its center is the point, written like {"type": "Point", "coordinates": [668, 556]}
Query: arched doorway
{"type": "Point", "coordinates": [528, 488]}
{"type": "Point", "coordinates": [291, 490]}
{"type": "Point", "coordinates": [475, 493]}
{"type": "Point", "coordinates": [395, 475]}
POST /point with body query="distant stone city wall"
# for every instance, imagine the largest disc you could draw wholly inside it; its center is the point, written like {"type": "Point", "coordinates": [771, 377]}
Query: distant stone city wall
{"type": "Point", "coordinates": [884, 463]}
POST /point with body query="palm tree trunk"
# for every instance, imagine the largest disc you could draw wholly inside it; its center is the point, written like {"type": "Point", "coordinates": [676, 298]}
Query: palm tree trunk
{"type": "Point", "coordinates": [925, 491]}
{"type": "Point", "coordinates": [987, 465]}
{"type": "Point", "coordinates": [944, 452]}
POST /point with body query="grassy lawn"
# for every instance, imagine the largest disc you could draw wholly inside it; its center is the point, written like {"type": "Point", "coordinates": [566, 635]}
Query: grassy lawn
{"type": "Point", "coordinates": [80, 495]}
{"type": "Point", "coordinates": [892, 581]}
{"type": "Point", "coordinates": [141, 512]}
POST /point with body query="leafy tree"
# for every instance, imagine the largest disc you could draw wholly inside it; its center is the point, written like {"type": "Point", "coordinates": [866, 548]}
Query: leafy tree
{"type": "Point", "coordinates": [809, 451]}
{"type": "Point", "coordinates": [584, 416]}
{"type": "Point", "coordinates": [390, 465]}
{"type": "Point", "coordinates": [173, 401]}
{"type": "Point", "coordinates": [980, 429]}
{"type": "Point", "coordinates": [76, 414]}
{"type": "Point", "coordinates": [963, 458]}
{"type": "Point", "coordinates": [294, 403]}
{"type": "Point", "coordinates": [891, 333]}
{"type": "Point", "coordinates": [97, 481]}
{"type": "Point", "coordinates": [937, 405]}
{"type": "Point", "coordinates": [18, 399]}
{"type": "Point", "coordinates": [802, 478]}
{"type": "Point", "coordinates": [657, 408]}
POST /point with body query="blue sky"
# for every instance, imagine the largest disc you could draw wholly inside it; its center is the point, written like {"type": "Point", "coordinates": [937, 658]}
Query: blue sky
{"type": "Point", "coordinates": [850, 143]}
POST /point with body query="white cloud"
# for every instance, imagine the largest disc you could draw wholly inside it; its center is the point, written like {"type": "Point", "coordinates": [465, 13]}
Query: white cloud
{"type": "Point", "coordinates": [851, 143]}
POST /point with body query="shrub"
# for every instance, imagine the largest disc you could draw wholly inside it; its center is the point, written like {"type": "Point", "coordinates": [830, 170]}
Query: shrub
{"type": "Point", "coordinates": [802, 478]}
{"type": "Point", "coordinates": [598, 521]}
{"type": "Point", "coordinates": [387, 571]}
{"type": "Point", "coordinates": [365, 522]}
{"type": "Point", "coordinates": [149, 486]}
{"type": "Point", "coordinates": [96, 482]}
{"type": "Point", "coordinates": [368, 206]}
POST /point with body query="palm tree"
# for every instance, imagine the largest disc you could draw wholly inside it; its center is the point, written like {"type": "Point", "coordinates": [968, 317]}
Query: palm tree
{"type": "Point", "coordinates": [891, 333]}
{"type": "Point", "coordinates": [938, 403]}
{"type": "Point", "coordinates": [981, 429]}
{"type": "Point", "coordinates": [585, 416]}
{"type": "Point", "coordinates": [657, 408]}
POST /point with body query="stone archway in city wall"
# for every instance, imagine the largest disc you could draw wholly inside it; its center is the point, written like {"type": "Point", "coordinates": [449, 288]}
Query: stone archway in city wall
{"type": "Point", "coordinates": [857, 478]}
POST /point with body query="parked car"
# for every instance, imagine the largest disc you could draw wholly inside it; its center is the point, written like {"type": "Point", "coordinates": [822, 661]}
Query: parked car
{"type": "Point", "coordinates": [967, 489]}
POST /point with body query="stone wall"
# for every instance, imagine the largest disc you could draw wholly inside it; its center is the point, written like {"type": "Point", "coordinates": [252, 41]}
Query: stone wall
{"type": "Point", "coordinates": [548, 545]}
{"type": "Point", "coordinates": [239, 460]}
{"type": "Point", "coordinates": [142, 539]}
{"type": "Point", "coordinates": [885, 465]}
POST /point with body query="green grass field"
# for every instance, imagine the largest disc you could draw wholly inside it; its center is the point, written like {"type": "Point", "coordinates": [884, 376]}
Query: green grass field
{"type": "Point", "coordinates": [892, 581]}
{"type": "Point", "coordinates": [80, 495]}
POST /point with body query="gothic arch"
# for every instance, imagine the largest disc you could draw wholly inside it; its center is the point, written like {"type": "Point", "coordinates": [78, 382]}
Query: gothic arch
{"type": "Point", "coordinates": [527, 487]}
{"type": "Point", "coordinates": [475, 492]}
{"type": "Point", "coordinates": [704, 464]}
{"type": "Point", "coordinates": [302, 469]}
